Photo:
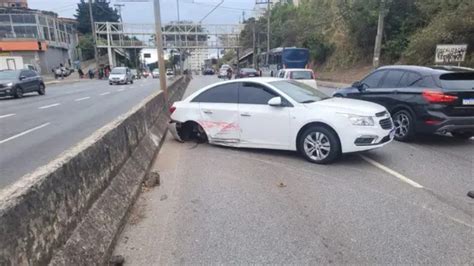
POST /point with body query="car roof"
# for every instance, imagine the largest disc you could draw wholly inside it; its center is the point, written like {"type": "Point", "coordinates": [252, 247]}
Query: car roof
{"type": "Point", "coordinates": [297, 69]}
{"type": "Point", "coordinates": [420, 69]}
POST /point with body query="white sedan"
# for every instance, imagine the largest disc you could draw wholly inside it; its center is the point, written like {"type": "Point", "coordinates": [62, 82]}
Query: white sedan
{"type": "Point", "coordinates": [274, 113]}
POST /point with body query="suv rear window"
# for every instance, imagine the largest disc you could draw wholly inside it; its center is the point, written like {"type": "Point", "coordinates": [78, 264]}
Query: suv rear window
{"type": "Point", "coordinates": [301, 75]}
{"type": "Point", "coordinates": [457, 81]}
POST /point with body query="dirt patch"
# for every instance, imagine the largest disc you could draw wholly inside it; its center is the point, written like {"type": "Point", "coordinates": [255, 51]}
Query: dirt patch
{"type": "Point", "coordinates": [138, 212]}
{"type": "Point", "coordinates": [344, 75]}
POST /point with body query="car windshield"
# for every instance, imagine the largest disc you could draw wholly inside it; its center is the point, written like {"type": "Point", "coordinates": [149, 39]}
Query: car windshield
{"type": "Point", "coordinates": [8, 74]}
{"type": "Point", "coordinates": [249, 70]}
{"type": "Point", "coordinates": [302, 75]}
{"type": "Point", "coordinates": [156, 71]}
{"type": "Point", "coordinates": [299, 92]}
{"type": "Point", "coordinates": [118, 71]}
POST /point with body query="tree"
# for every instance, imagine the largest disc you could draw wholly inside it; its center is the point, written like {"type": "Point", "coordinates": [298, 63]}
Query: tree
{"type": "Point", "coordinates": [86, 44]}
{"type": "Point", "coordinates": [101, 11]}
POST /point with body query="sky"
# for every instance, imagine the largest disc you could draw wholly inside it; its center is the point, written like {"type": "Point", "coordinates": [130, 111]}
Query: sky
{"type": "Point", "coordinates": [230, 12]}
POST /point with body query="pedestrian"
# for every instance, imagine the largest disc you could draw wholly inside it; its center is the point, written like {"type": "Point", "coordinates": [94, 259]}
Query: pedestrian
{"type": "Point", "coordinates": [81, 74]}
{"type": "Point", "coordinates": [229, 73]}
{"type": "Point", "coordinates": [91, 73]}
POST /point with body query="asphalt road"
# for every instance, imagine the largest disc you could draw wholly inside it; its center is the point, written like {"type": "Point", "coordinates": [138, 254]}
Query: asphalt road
{"type": "Point", "coordinates": [36, 129]}
{"type": "Point", "coordinates": [403, 204]}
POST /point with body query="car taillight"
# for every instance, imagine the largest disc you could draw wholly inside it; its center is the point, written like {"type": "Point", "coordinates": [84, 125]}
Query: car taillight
{"type": "Point", "coordinates": [438, 97]}
{"type": "Point", "coordinates": [172, 109]}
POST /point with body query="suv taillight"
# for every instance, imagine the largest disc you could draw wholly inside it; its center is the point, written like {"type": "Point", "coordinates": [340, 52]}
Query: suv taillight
{"type": "Point", "coordinates": [438, 97]}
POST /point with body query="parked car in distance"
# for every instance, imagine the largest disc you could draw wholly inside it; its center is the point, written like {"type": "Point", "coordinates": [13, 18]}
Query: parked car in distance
{"type": "Point", "coordinates": [420, 99]}
{"type": "Point", "coordinates": [208, 71]}
{"type": "Point", "coordinates": [169, 72]}
{"type": "Point", "coordinates": [135, 74]}
{"type": "Point", "coordinates": [145, 74]}
{"type": "Point", "coordinates": [155, 73]}
{"type": "Point", "coordinates": [303, 75]}
{"type": "Point", "coordinates": [18, 82]}
{"type": "Point", "coordinates": [247, 73]}
{"type": "Point", "coordinates": [120, 75]}
{"type": "Point", "coordinates": [272, 113]}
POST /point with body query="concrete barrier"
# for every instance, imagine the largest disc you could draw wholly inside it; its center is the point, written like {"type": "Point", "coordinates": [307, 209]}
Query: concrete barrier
{"type": "Point", "coordinates": [70, 211]}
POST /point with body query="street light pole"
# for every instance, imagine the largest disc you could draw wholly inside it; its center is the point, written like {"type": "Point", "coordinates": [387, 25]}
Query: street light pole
{"type": "Point", "coordinates": [378, 38]}
{"type": "Point", "coordinates": [96, 55]}
{"type": "Point", "coordinates": [159, 45]}
{"type": "Point", "coordinates": [179, 36]}
{"type": "Point", "coordinates": [268, 30]}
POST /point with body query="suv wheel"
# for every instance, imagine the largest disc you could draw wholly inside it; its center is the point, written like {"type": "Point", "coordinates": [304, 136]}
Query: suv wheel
{"type": "Point", "coordinates": [41, 89]}
{"type": "Point", "coordinates": [131, 81]}
{"type": "Point", "coordinates": [319, 145]}
{"type": "Point", "coordinates": [462, 135]}
{"type": "Point", "coordinates": [403, 123]}
{"type": "Point", "coordinates": [18, 93]}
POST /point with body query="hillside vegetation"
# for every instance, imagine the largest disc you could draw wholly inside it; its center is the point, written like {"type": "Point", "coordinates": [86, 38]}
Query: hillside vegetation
{"type": "Point", "coordinates": [341, 33]}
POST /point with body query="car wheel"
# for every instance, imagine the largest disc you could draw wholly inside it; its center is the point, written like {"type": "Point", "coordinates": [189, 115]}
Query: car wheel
{"type": "Point", "coordinates": [131, 81]}
{"type": "Point", "coordinates": [462, 135]}
{"type": "Point", "coordinates": [110, 83]}
{"type": "Point", "coordinates": [403, 123]}
{"type": "Point", "coordinates": [18, 93]}
{"type": "Point", "coordinates": [41, 90]}
{"type": "Point", "coordinates": [319, 144]}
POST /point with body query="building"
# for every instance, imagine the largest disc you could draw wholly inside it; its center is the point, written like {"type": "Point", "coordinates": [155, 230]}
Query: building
{"type": "Point", "coordinates": [41, 38]}
{"type": "Point", "coordinates": [195, 61]}
{"type": "Point", "coordinates": [14, 3]}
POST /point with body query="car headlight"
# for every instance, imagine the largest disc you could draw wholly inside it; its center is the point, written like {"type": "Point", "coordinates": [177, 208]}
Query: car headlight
{"type": "Point", "coordinates": [9, 84]}
{"type": "Point", "coordinates": [359, 120]}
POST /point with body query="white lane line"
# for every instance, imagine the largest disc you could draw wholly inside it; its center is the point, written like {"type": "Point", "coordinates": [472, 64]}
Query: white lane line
{"type": "Point", "coordinates": [49, 106]}
{"type": "Point", "coordinates": [392, 172]}
{"type": "Point", "coordinates": [120, 89]}
{"type": "Point", "coordinates": [24, 133]}
{"type": "Point", "coordinates": [7, 115]}
{"type": "Point", "coordinates": [105, 93]}
{"type": "Point", "coordinates": [82, 99]}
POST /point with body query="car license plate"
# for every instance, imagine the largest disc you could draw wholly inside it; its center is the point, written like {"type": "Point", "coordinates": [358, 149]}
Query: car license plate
{"type": "Point", "coordinates": [468, 101]}
{"type": "Point", "coordinates": [251, 75]}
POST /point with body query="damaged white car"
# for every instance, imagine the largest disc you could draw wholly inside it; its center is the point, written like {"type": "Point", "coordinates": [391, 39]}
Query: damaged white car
{"type": "Point", "coordinates": [281, 114]}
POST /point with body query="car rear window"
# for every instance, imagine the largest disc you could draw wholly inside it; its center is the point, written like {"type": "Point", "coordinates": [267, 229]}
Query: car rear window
{"type": "Point", "coordinates": [457, 81]}
{"type": "Point", "coordinates": [302, 75]}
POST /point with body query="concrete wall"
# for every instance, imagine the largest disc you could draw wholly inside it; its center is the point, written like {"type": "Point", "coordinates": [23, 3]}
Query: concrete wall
{"type": "Point", "coordinates": [70, 211]}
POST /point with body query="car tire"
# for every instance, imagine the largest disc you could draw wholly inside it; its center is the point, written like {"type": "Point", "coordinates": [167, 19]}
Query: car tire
{"type": "Point", "coordinates": [110, 83]}
{"type": "Point", "coordinates": [319, 144]}
{"type": "Point", "coordinates": [404, 125]}
{"type": "Point", "coordinates": [18, 93]}
{"type": "Point", "coordinates": [462, 135]}
{"type": "Point", "coordinates": [131, 81]}
{"type": "Point", "coordinates": [42, 89]}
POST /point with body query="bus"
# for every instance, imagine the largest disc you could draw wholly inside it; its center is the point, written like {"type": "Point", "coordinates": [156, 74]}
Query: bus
{"type": "Point", "coordinates": [283, 57]}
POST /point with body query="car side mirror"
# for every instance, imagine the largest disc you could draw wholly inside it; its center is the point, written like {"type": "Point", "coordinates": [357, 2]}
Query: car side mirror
{"type": "Point", "coordinates": [22, 77]}
{"type": "Point", "coordinates": [275, 101]}
{"type": "Point", "coordinates": [357, 84]}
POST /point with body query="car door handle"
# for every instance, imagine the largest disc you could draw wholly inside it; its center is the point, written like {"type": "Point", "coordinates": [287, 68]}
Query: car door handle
{"type": "Point", "coordinates": [209, 112]}
{"type": "Point", "coordinates": [245, 114]}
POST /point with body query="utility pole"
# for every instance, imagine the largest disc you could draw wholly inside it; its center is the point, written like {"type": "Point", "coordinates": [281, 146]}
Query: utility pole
{"type": "Point", "coordinates": [159, 45]}
{"type": "Point", "coordinates": [378, 38]}
{"type": "Point", "coordinates": [268, 30]}
{"type": "Point", "coordinates": [96, 55]}
{"type": "Point", "coordinates": [254, 45]}
{"type": "Point", "coordinates": [119, 8]}
{"type": "Point", "coordinates": [179, 36]}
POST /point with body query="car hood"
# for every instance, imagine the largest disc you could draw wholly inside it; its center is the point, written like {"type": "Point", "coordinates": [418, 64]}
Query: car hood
{"type": "Point", "coordinates": [349, 106]}
{"type": "Point", "coordinates": [6, 81]}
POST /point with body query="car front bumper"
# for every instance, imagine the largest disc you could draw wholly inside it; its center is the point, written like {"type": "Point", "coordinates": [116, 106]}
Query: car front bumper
{"type": "Point", "coordinates": [6, 92]}
{"type": "Point", "coordinates": [374, 137]}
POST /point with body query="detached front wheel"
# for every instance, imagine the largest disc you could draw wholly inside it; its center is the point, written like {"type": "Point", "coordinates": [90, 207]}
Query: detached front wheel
{"type": "Point", "coordinates": [319, 145]}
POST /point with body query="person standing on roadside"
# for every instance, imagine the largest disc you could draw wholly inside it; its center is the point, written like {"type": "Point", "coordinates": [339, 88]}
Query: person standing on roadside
{"type": "Point", "coordinates": [229, 73]}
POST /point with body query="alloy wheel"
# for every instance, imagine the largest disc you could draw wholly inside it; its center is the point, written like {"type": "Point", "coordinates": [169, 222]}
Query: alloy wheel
{"type": "Point", "coordinates": [402, 125]}
{"type": "Point", "coordinates": [317, 146]}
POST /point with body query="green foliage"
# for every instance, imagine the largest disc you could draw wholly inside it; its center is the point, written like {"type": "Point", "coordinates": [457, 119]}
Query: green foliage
{"type": "Point", "coordinates": [101, 11]}
{"type": "Point", "coordinates": [342, 32]}
{"type": "Point", "coordinates": [86, 44]}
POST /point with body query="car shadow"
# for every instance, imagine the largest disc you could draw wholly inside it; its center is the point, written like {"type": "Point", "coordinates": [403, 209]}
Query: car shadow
{"type": "Point", "coordinates": [441, 140]}
{"type": "Point", "coordinates": [25, 96]}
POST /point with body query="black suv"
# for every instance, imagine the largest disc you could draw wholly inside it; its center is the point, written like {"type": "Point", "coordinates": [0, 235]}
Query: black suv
{"type": "Point", "coordinates": [17, 82]}
{"type": "Point", "coordinates": [420, 99]}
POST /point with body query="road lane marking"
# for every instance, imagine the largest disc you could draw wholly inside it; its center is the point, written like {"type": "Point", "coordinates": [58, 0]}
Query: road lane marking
{"type": "Point", "coordinates": [7, 115]}
{"type": "Point", "coordinates": [392, 172]}
{"type": "Point", "coordinates": [24, 132]}
{"type": "Point", "coordinates": [120, 89]}
{"type": "Point", "coordinates": [105, 93]}
{"type": "Point", "coordinates": [82, 99]}
{"type": "Point", "coordinates": [49, 106]}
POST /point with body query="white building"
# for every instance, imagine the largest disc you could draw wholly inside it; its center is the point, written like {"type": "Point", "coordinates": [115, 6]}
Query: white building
{"type": "Point", "coordinates": [196, 60]}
